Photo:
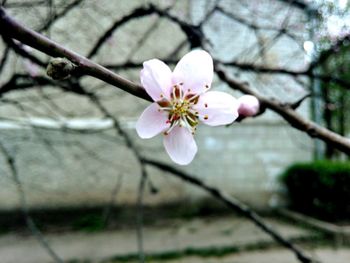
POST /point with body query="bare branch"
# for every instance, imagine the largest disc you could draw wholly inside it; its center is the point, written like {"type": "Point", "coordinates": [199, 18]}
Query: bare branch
{"type": "Point", "coordinates": [233, 204]}
{"type": "Point", "coordinates": [11, 28]}
{"type": "Point", "coordinates": [137, 13]}
{"type": "Point", "coordinates": [88, 67]}
{"type": "Point", "coordinates": [296, 104]}
{"type": "Point", "coordinates": [18, 48]}
{"type": "Point", "coordinates": [4, 58]}
{"type": "Point", "coordinates": [290, 115]}
{"type": "Point", "coordinates": [269, 70]}
{"type": "Point", "coordinates": [140, 213]}
{"type": "Point", "coordinates": [25, 210]}
{"type": "Point", "coordinates": [59, 15]}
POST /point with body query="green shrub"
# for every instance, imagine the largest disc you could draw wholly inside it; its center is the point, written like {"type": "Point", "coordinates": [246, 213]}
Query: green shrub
{"type": "Point", "coordinates": [89, 223]}
{"type": "Point", "coordinates": [320, 189]}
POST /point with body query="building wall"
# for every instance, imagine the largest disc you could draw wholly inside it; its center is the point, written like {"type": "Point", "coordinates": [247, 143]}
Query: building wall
{"type": "Point", "coordinates": [67, 168]}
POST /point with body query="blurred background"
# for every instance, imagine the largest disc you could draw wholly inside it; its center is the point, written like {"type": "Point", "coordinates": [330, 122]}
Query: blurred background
{"type": "Point", "coordinates": [68, 171]}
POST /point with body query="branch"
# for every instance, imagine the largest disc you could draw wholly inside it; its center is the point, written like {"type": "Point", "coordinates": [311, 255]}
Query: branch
{"type": "Point", "coordinates": [140, 215]}
{"type": "Point", "coordinates": [291, 116]}
{"type": "Point", "coordinates": [25, 210]}
{"type": "Point", "coordinates": [23, 81]}
{"type": "Point", "coordinates": [297, 103]}
{"type": "Point", "coordinates": [234, 204]}
{"type": "Point", "coordinates": [11, 28]}
{"type": "Point", "coordinates": [297, 3]}
{"type": "Point", "coordinates": [246, 67]}
{"type": "Point", "coordinates": [4, 58]}
{"type": "Point", "coordinates": [294, 73]}
{"type": "Point", "coordinates": [59, 15]}
{"type": "Point", "coordinates": [18, 48]}
{"type": "Point", "coordinates": [136, 13]}
{"type": "Point", "coordinates": [193, 33]}
{"type": "Point", "coordinates": [21, 4]}
{"type": "Point", "coordinates": [144, 175]}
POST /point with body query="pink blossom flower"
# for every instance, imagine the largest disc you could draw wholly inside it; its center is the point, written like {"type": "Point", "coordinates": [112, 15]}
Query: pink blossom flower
{"type": "Point", "coordinates": [181, 101]}
{"type": "Point", "coordinates": [248, 105]}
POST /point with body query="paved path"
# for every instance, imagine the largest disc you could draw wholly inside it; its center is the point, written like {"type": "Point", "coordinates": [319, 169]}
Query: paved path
{"type": "Point", "coordinates": [175, 236]}
{"type": "Point", "coordinates": [325, 255]}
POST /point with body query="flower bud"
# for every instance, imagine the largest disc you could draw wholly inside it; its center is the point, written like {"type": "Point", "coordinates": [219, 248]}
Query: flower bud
{"type": "Point", "coordinates": [60, 68]}
{"type": "Point", "coordinates": [248, 105]}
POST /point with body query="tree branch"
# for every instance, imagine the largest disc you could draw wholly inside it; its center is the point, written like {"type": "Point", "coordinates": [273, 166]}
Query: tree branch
{"type": "Point", "coordinates": [4, 58]}
{"type": "Point", "coordinates": [290, 115]}
{"type": "Point", "coordinates": [11, 28]}
{"type": "Point", "coordinates": [233, 204]}
{"type": "Point", "coordinates": [25, 210]}
{"type": "Point", "coordinates": [59, 15]}
{"type": "Point", "coordinates": [269, 70]}
{"type": "Point", "coordinates": [136, 13]}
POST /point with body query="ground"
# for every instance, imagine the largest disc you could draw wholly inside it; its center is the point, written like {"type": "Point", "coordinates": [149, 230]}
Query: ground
{"type": "Point", "coordinates": [213, 239]}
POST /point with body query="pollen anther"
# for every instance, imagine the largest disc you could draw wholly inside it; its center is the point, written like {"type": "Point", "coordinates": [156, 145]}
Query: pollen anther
{"type": "Point", "coordinates": [180, 109]}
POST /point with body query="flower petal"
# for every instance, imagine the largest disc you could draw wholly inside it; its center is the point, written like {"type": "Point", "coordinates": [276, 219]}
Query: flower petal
{"type": "Point", "coordinates": [195, 70]}
{"type": "Point", "coordinates": [156, 79]}
{"type": "Point", "coordinates": [151, 122]}
{"type": "Point", "coordinates": [180, 145]}
{"type": "Point", "coordinates": [217, 108]}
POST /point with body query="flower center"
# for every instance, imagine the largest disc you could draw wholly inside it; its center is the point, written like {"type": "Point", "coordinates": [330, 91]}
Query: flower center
{"type": "Point", "coordinates": [180, 109]}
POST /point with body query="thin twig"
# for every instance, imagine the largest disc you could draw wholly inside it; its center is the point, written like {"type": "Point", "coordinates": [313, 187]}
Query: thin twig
{"type": "Point", "coordinates": [107, 210]}
{"type": "Point", "coordinates": [235, 205]}
{"type": "Point", "coordinates": [56, 16]}
{"type": "Point", "coordinates": [144, 175]}
{"type": "Point", "coordinates": [139, 227]}
{"type": "Point", "coordinates": [11, 28]}
{"type": "Point", "coordinates": [290, 115]}
{"type": "Point", "coordinates": [24, 207]}
{"type": "Point", "coordinates": [4, 58]}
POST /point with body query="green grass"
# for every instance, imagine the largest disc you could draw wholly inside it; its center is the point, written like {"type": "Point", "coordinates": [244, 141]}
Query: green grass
{"type": "Point", "coordinates": [208, 252]}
